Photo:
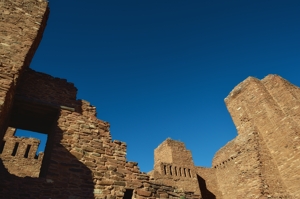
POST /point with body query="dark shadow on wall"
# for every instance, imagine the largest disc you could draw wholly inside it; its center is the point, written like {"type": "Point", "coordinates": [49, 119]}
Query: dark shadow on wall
{"type": "Point", "coordinates": [65, 177]}
{"type": "Point", "coordinates": [206, 194]}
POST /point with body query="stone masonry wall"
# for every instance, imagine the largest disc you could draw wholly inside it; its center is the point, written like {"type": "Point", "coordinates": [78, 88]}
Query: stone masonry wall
{"type": "Point", "coordinates": [42, 88]}
{"type": "Point", "coordinates": [271, 106]}
{"type": "Point", "coordinates": [174, 166]}
{"type": "Point", "coordinates": [173, 152]}
{"type": "Point", "coordinates": [86, 163]}
{"type": "Point", "coordinates": [237, 168]}
{"type": "Point", "coordinates": [245, 169]}
{"type": "Point", "coordinates": [82, 161]}
{"type": "Point", "coordinates": [208, 183]}
{"type": "Point", "coordinates": [19, 155]}
{"type": "Point", "coordinates": [22, 24]}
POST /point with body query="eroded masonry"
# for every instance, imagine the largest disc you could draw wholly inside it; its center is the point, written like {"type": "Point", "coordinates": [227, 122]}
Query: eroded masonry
{"type": "Point", "coordinates": [82, 161]}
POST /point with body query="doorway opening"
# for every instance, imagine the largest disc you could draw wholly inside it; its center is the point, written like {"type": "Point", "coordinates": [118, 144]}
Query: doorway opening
{"type": "Point", "coordinates": [128, 194]}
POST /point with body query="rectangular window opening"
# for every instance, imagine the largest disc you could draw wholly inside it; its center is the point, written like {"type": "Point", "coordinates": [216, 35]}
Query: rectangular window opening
{"type": "Point", "coordinates": [14, 152]}
{"type": "Point", "coordinates": [165, 169]}
{"type": "Point", "coordinates": [27, 151]}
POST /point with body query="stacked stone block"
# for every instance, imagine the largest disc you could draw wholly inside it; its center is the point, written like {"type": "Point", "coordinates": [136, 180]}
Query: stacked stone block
{"type": "Point", "coordinates": [271, 107]}
{"type": "Point", "coordinates": [81, 160]}
{"type": "Point", "coordinates": [174, 166]}
{"type": "Point", "coordinates": [19, 155]}
{"type": "Point", "coordinates": [22, 24]}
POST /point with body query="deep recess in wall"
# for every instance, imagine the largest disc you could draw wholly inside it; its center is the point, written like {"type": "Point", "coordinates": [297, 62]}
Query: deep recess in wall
{"type": "Point", "coordinates": [36, 117]}
{"type": "Point", "coordinates": [128, 194]}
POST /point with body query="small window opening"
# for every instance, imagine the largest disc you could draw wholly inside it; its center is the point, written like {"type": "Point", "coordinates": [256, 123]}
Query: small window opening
{"type": "Point", "coordinates": [128, 194]}
{"type": "Point", "coordinates": [175, 169]}
{"type": "Point", "coordinates": [2, 146]}
{"type": "Point", "coordinates": [15, 149]}
{"type": "Point", "coordinates": [184, 171]}
{"type": "Point", "coordinates": [27, 151]}
{"type": "Point", "coordinates": [189, 171]}
{"type": "Point", "coordinates": [180, 171]}
{"type": "Point", "coordinates": [165, 169]}
{"type": "Point", "coordinates": [171, 170]}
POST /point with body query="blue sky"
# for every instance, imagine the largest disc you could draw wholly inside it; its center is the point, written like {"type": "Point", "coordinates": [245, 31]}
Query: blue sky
{"type": "Point", "coordinates": [159, 69]}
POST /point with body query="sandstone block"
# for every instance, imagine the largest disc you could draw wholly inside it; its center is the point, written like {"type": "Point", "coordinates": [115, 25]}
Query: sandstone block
{"type": "Point", "coordinates": [143, 192]}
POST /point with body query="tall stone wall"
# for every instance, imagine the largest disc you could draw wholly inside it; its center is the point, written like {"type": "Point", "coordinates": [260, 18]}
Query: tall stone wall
{"type": "Point", "coordinates": [208, 183]}
{"type": "Point", "coordinates": [22, 24]}
{"type": "Point", "coordinates": [82, 161]}
{"type": "Point", "coordinates": [271, 107]}
{"type": "Point", "coordinates": [245, 169]}
{"type": "Point", "coordinates": [42, 88]}
{"type": "Point", "coordinates": [237, 168]}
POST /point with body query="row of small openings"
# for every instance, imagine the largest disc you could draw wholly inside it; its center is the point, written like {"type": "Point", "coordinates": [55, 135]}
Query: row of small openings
{"type": "Point", "coordinates": [224, 162]}
{"type": "Point", "coordinates": [15, 150]}
{"type": "Point", "coordinates": [177, 171]}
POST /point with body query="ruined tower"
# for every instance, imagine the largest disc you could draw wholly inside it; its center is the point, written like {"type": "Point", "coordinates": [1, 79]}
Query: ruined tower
{"type": "Point", "coordinates": [174, 166]}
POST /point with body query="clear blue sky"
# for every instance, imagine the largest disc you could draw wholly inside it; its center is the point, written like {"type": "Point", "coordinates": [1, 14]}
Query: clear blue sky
{"type": "Point", "coordinates": [158, 69]}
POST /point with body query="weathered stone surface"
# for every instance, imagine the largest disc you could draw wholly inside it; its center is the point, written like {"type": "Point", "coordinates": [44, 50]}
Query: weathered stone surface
{"type": "Point", "coordinates": [82, 161]}
{"type": "Point", "coordinates": [174, 166]}
{"type": "Point", "coordinates": [143, 192]}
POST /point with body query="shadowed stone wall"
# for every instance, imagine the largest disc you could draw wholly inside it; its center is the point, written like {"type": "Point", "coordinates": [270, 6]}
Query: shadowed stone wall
{"type": "Point", "coordinates": [82, 161]}
{"type": "Point", "coordinates": [22, 24]}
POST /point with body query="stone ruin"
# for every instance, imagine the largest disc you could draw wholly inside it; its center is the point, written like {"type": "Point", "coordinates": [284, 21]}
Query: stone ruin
{"type": "Point", "coordinates": [82, 161]}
